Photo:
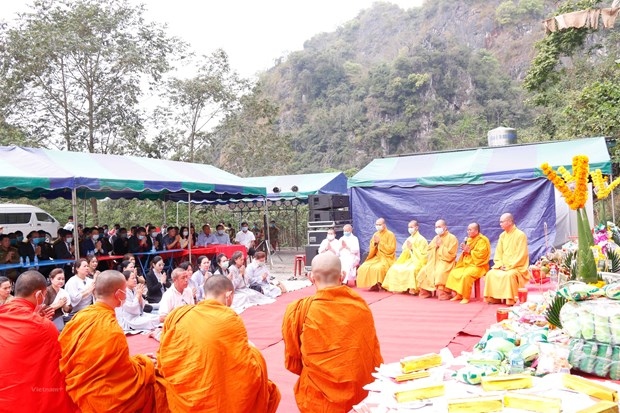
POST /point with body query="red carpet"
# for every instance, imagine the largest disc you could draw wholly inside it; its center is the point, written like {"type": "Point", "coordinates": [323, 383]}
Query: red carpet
{"type": "Point", "coordinates": [406, 325]}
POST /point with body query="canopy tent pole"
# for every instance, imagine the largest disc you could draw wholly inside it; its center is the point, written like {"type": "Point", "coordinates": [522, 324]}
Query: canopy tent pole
{"type": "Point", "coordinates": [189, 224]}
{"type": "Point", "coordinates": [164, 220]}
{"type": "Point", "coordinates": [296, 231]}
{"type": "Point", "coordinates": [84, 209]}
{"type": "Point", "coordinates": [177, 224]}
{"type": "Point", "coordinates": [267, 235]}
{"type": "Point", "coordinates": [74, 211]}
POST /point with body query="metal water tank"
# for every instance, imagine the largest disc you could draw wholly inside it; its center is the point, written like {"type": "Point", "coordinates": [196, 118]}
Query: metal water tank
{"type": "Point", "coordinates": [502, 136]}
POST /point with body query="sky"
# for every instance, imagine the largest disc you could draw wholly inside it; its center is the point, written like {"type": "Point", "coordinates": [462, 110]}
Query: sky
{"type": "Point", "coordinates": [254, 33]}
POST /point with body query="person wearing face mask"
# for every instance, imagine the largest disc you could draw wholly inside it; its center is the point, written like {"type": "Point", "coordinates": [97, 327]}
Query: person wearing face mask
{"type": "Point", "coordinates": [30, 352]}
{"type": "Point", "coordinates": [202, 344]}
{"type": "Point", "coordinates": [8, 255]}
{"type": "Point", "coordinates": [246, 238]}
{"type": "Point", "coordinates": [221, 237]}
{"type": "Point", "coordinates": [401, 277]}
{"type": "Point", "coordinates": [381, 256]}
{"type": "Point", "coordinates": [441, 256]}
{"type": "Point", "coordinates": [121, 243]}
{"type": "Point", "coordinates": [95, 245]}
{"type": "Point", "coordinates": [510, 264]}
{"type": "Point", "coordinates": [100, 373]}
{"type": "Point", "coordinates": [186, 240]}
{"type": "Point", "coordinates": [471, 265]}
{"type": "Point", "coordinates": [330, 244]}
{"type": "Point", "coordinates": [30, 247]}
{"type": "Point", "coordinates": [349, 255]}
{"type": "Point", "coordinates": [156, 238]}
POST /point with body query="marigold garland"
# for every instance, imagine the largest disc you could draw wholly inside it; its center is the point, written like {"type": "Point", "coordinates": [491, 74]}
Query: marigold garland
{"type": "Point", "coordinates": [602, 189]}
{"type": "Point", "coordinates": [576, 197]}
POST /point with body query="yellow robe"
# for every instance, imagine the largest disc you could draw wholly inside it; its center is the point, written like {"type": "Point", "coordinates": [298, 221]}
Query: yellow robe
{"type": "Point", "coordinates": [380, 258]}
{"type": "Point", "coordinates": [471, 266]}
{"type": "Point", "coordinates": [511, 253]}
{"type": "Point", "coordinates": [209, 365]}
{"type": "Point", "coordinates": [402, 274]}
{"type": "Point", "coordinates": [101, 376]}
{"type": "Point", "coordinates": [440, 261]}
{"type": "Point", "coordinates": [331, 343]}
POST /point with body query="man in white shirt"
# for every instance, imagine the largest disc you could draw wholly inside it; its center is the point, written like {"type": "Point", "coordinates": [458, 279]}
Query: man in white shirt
{"type": "Point", "coordinates": [246, 238]}
{"type": "Point", "coordinates": [349, 254]}
{"type": "Point", "coordinates": [177, 295]}
{"type": "Point", "coordinates": [205, 238]}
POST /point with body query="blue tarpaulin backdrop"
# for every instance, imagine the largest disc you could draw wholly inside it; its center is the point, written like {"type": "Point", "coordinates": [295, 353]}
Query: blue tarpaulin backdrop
{"type": "Point", "coordinates": [466, 186]}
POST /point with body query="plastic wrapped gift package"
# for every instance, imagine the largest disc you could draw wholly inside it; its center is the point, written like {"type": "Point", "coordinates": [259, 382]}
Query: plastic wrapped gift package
{"type": "Point", "coordinates": [599, 359]}
{"type": "Point", "coordinates": [597, 320]}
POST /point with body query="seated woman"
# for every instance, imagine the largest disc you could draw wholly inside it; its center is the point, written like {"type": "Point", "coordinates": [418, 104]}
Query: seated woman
{"type": "Point", "coordinates": [5, 290]}
{"type": "Point", "coordinates": [244, 296]}
{"type": "Point", "coordinates": [257, 275]}
{"type": "Point", "coordinates": [198, 278]}
{"type": "Point", "coordinates": [186, 239]}
{"type": "Point", "coordinates": [156, 280]}
{"type": "Point", "coordinates": [93, 263]}
{"type": "Point", "coordinates": [57, 298]}
{"type": "Point", "coordinates": [220, 265]}
{"type": "Point", "coordinates": [79, 287]}
{"type": "Point", "coordinates": [131, 315]}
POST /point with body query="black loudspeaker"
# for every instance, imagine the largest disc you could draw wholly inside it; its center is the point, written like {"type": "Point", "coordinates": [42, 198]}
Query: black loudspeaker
{"type": "Point", "coordinates": [311, 252]}
{"type": "Point", "coordinates": [328, 201]}
{"type": "Point", "coordinates": [329, 215]}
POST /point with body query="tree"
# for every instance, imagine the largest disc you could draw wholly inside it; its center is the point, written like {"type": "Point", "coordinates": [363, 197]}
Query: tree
{"type": "Point", "coordinates": [195, 103]}
{"type": "Point", "coordinates": [76, 71]}
{"type": "Point", "coordinates": [250, 141]}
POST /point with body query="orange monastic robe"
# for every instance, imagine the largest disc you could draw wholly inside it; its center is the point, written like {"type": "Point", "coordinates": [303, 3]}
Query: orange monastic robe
{"type": "Point", "coordinates": [512, 254]}
{"type": "Point", "coordinates": [379, 260]}
{"type": "Point", "coordinates": [101, 375]}
{"type": "Point", "coordinates": [331, 343]}
{"type": "Point", "coordinates": [30, 378]}
{"type": "Point", "coordinates": [439, 263]}
{"type": "Point", "coordinates": [209, 365]}
{"type": "Point", "coordinates": [471, 266]}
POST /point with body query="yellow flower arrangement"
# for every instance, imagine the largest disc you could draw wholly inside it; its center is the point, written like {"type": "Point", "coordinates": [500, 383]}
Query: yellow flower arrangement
{"type": "Point", "coordinates": [576, 197]}
{"type": "Point", "coordinates": [602, 189]}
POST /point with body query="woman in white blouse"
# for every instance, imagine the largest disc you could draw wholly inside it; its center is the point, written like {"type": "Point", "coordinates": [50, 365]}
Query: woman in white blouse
{"type": "Point", "coordinates": [131, 315]}
{"type": "Point", "coordinates": [80, 287]}
{"type": "Point", "coordinates": [57, 298]}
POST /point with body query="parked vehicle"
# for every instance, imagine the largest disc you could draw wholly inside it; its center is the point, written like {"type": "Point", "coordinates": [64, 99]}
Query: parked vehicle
{"type": "Point", "coordinates": [27, 218]}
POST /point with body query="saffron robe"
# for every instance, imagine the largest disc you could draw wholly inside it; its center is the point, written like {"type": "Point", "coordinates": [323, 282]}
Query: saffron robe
{"type": "Point", "coordinates": [470, 266]}
{"type": "Point", "coordinates": [440, 261]}
{"type": "Point", "coordinates": [209, 365]}
{"type": "Point", "coordinates": [331, 343]}
{"type": "Point", "coordinates": [511, 253]}
{"type": "Point", "coordinates": [101, 376]}
{"type": "Point", "coordinates": [379, 260]}
{"type": "Point", "coordinates": [402, 274]}
{"type": "Point", "coordinates": [30, 377]}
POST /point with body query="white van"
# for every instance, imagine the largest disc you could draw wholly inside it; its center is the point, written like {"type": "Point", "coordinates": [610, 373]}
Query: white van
{"type": "Point", "coordinates": [27, 218]}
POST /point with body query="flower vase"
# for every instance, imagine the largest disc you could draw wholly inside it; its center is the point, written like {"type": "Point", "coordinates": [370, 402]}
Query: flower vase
{"type": "Point", "coordinates": [586, 265]}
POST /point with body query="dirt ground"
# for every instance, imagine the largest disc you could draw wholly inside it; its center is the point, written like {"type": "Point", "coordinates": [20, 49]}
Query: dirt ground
{"type": "Point", "coordinates": [282, 263]}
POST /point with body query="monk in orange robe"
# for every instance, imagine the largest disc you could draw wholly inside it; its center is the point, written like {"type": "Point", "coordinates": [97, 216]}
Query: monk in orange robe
{"type": "Point", "coordinates": [381, 256]}
{"type": "Point", "coordinates": [473, 264]}
{"type": "Point", "coordinates": [441, 259]}
{"type": "Point", "coordinates": [207, 361]}
{"type": "Point", "coordinates": [330, 342]}
{"type": "Point", "coordinates": [30, 377]}
{"type": "Point", "coordinates": [101, 376]}
{"type": "Point", "coordinates": [510, 264]}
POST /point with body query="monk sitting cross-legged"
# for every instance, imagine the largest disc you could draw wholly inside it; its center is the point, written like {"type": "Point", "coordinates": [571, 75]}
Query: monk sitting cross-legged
{"type": "Point", "coordinates": [380, 258]}
{"type": "Point", "coordinates": [101, 376]}
{"type": "Point", "coordinates": [207, 361]}
{"type": "Point", "coordinates": [330, 342]}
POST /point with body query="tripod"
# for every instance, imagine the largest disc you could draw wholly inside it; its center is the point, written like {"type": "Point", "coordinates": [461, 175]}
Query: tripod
{"type": "Point", "coordinates": [270, 251]}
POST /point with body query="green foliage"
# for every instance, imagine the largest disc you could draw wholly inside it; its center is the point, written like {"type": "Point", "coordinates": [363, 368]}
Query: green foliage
{"type": "Point", "coordinates": [614, 258]}
{"type": "Point", "coordinates": [506, 12]}
{"type": "Point", "coordinates": [553, 312]}
{"type": "Point", "coordinates": [514, 11]}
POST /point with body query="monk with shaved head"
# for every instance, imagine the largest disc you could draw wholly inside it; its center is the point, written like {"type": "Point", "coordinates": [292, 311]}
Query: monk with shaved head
{"type": "Point", "coordinates": [207, 361]}
{"type": "Point", "coordinates": [30, 377]}
{"type": "Point", "coordinates": [100, 373]}
{"type": "Point", "coordinates": [381, 256]}
{"type": "Point", "coordinates": [330, 342]}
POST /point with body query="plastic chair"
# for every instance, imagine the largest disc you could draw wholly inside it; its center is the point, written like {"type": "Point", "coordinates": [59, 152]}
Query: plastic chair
{"type": "Point", "coordinates": [298, 265]}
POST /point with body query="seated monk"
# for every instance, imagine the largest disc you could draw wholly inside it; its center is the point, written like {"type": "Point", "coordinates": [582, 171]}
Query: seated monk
{"type": "Point", "coordinates": [401, 277]}
{"type": "Point", "coordinates": [380, 258]}
{"type": "Point", "coordinates": [440, 261]}
{"type": "Point", "coordinates": [509, 271]}
{"type": "Point", "coordinates": [330, 342]}
{"type": "Point", "coordinates": [473, 264]}
{"type": "Point", "coordinates": [207, 361]}
{"type": "Point", "coordinates": [100, 373]}
{"type": "Point", "coordinates": [30, 378]}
